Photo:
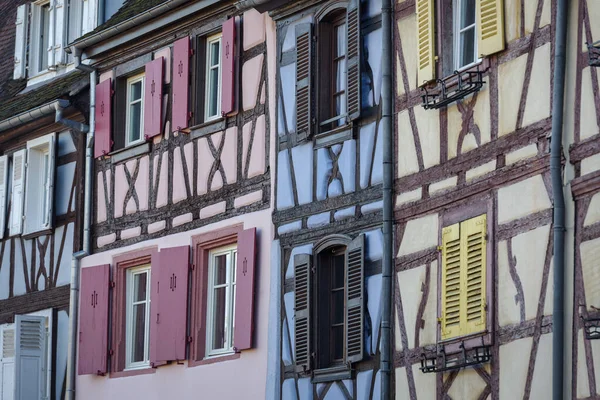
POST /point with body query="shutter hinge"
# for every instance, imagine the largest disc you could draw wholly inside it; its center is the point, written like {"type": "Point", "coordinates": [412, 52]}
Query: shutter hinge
{"type": "Point", "coordinates": [192, 267]}
{"type": "Point", "coordinates": [189, 339]}
{"type": "Point", "coordinates": [111, 352]}
{"type": "Point", "coordinates": [111, 284]}
{"type": "Point", "coordinates": [440, 248]}
{"type": "Point", "coordinates": [192, 52]}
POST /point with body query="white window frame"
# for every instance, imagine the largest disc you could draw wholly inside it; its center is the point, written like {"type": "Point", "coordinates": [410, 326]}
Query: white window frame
{"type": "Point", "coordinates": [35, 36]}
{"type": "Point", "coordinates": [130, 81]}
{"type": "Point", "coordinates": [230, 285]}
{"type": "Point", "coordinates": [456, 31]}
{"type": "Point", "coordinates": [130, 273]}
{"type": "Point", "coordinates": [216, 38]}
{"type": "Point", "coordinates": [39, 214]}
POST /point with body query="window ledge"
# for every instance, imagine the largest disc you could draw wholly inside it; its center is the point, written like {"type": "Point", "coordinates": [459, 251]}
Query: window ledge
{"type": "Point", "coordinates": [454, 345]}
{"type": "Point", "coordinates": [331, 374]}
{"type": "Point", "coordinates": [132, 372]}
{"type": "Point", "coordinates": [454, 87]}
{"type": "Point", "coordinates": [334, 136]}
{"type": "Point", "coordinates": [126, 153]}
{"type": "Point", "coordinates": [32, 235]}
{"type": "Point", "coordinates": [214, 359]}
{"type": "Point", "coordinates": [208, 128]}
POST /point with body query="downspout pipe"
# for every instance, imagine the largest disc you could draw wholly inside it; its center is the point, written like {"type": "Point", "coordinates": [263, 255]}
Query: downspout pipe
{"type": "Point", "coordinates": [87, 219]}
{"type": "Point", "coordinates": [386, 366]}
{"type": "Point", "coordinates": [558, 312]}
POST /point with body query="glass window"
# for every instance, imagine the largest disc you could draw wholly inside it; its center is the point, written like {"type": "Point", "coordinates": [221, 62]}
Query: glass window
{"type": "Point", "coordinates": [339, 71]}
{"type": "Point", "coordinates": [221, 300]}
{"type": "Point", "coordinates": [135, 109]}
{"type": "Point", "coordinates": [213, 78]}
{"type": "Point", "coordinates": [465, 48]}
{"type": "Point", "coordinates": [44, 36]}
{"type": "Point", "coordinates": [138, 317]}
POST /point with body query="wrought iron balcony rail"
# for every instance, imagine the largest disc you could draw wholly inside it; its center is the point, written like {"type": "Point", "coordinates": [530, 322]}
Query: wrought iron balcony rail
{"type": "Point", "coordinates": [453, 88]}
{"type": "Point", "coordinates": [441, 362]}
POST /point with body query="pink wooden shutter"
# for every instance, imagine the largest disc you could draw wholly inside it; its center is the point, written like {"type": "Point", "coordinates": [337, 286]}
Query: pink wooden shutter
{"type": "Point", "coordinates": [244, 295]}
{"type": "Point", "coordinates": [153, 91]}
{"type": "Point", "coordinates": [93, 320]}
{"type": "Point", "coordinates": [181, 83]}
{"type": "Point", "coordinates": [171, 317]}
{"type": "Point", "coordinates": [102, 136]}
{"type": "Point", "coordinates": [228, 67]}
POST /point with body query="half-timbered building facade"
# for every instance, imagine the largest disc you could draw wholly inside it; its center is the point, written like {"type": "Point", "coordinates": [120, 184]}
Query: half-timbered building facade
{"type": "Point", "coordinates": [174, 300]}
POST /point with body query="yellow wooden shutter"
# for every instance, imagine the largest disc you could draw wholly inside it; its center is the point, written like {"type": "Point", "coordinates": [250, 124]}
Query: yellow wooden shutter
{"type": "Point", "coordinates": [473, 257]}
{"type": "Point", "coordinates": [490, 26]}
{"type": "Point", "coordinates": [451, 282]}
{"type": "Point", "coordinates": [426, 46]}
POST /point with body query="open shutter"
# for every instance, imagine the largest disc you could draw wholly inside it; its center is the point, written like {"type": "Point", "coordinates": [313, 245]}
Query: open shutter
{"type": "Point", "coordinates": [60, 31]}
{"type": "Point", "coordinates": [353, 65]}
{"type": "Point", "coordinates": [51, 33]}
{"type": "Point", "coordinates": [473, 257]}
{"type": "Point", "coordinates": [490, 26]}
{"type": "Point", "coordinates": [7, 362]}
{"type": "Point", "coordinates": [18, 192]}
{"type": "Point", "coordinates": [93, 320]}
{"type": "Point", "coordinates": [451, 282]}
{"type": "Point", "coordinates": [171, 313]}
{"type": "Point", "coordinates": [48, 223]}
{"type": "Point", "coordinates": [302, 271]}
{"type": "Point", "coordinates": [303, 80]}
{"type": "Point", "coordinates": [153, 91]}
{"type": "Point", "coordinates": [3, 193]}
{"type": "Point", "coordinates": [181, 84]}
{"type": "Point", "coordinates": [244, 290]}
{"type": "Point", "coordinates": [228, 44]}
{"type": "Point", "coordinates": [21, 25]}
{"type": "Point", "coordinates": [102, 136]}
{"type": "Point", "coordinates": [30, 358]}
{"type": "Point", "coordinates": [355, 283]}
{"type": "Point", "coordinates": [426, 41]}
{"type": "Point", "coordinates": [89, 16]}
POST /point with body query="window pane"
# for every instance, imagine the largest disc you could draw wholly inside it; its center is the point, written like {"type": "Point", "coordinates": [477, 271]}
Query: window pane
{"type": "Point", "coordinates": [220, 268]}
{"type": "Point", "coordinates": [338, 272]}
{"type": "Point", "coordinates": [135, 119]}
{"type": "Point", "coordinates": [45, 36]}
{"type": "Point", "coordinates": [337, 307]}
{"type": "Point", "coordinates": [467, 51]}
{"type": "Point", "coordinates": [138, 332]}
{"type": "Point", "coordinates": [135, 91]}
{"type": "Point", "coordinates": [340, 37]}
{"type": "Point", "coordinates": [46, 177]}
{"type": "Point", "coordinates": [139, 286]}
{"type": "Point", "coordinates": [218, 340]}
{"type": "Point", "coordinates": [340, 75]}
{"type": "Point", "coordinates": [467, 13]}
{"type": "Point", "coordinates": [340, 107]}
{"type": "Point", "coordinates": [234, 267]}
{"type": "Point", "coordinates": [215, 48]}
{"type": "Point", "coordinates": [213, 96]}
{"type": "Point", "coordinates": [337, 342]}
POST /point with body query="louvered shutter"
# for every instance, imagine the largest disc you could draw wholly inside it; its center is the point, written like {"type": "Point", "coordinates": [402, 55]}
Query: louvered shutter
{"type": "Point", "coordinates": [21, 25]}
{"type": "Point", "coordinates": [303, 80]}
{"type": "Point", "coordinates": [7, 362]}
{"type": "Point", "coordinates": [302, 297]}
{"type": "Point", "coordinates": [353, 64]}
{"type": "Point", "coordinates": [473, 257]}
{"type": "Point", "coordinates": [244, 290]}
{"type": "Point", "coordinates": [490, 26]}
{"type": "Point", "coordinates": [3, 193]}
{"type": "Point", "coordinates": [355, 282]}
{"type": "Point", "coordinates": [60, 31]}
{"type": "Point", "coordinates": [451, 282]}
{"type": "Point", "coordinates": [153, 91]}
{"type": "Point", "coordinates": [30, 358]}
{"type": "Point", "coordinates": [102, 135]}
{"type": "Point", "coordinates": [17, 192]}
{"type": "Point", "coordinates": [228, 44]}
{"type": "Point", "coordinates": [171, 313]}
{"type": "Point", "coordinates": [426, 41]}
{"type": "Point", "coordinates": [181, 83]}
{"type": "Point", "coordinates": [93, 320]}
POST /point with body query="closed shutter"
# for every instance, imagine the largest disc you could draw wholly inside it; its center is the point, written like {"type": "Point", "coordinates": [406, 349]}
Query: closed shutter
{"type": "Point", "coordinates": [181, 84]}
{"type": "Point", "coordinates": [169, 310]}
{"type": "Point", "coordinates": [93, 320]}
{"type": "Point", "coordinates": [353, 73]}
{"type": "Point", "coordinates": [7, 362]}
{"type": "Point", "coordinates": [60, 31]}
{"type": "Point", "coordinates": [18, 192]}
{"type": "Point", "coordinates": [303, 80]}
{"type": "Point", "coordinates": [153, 91]}
{"type": "Point", "coordinates": [426, 41]}
{"type": "Point", "coordinates": [355, 282]}
{"type": "Point", "coordinates": [103, 134]}
{"type": "Point", "coordinates": [473, 257]}
{"type": "Point", "coordinates": [228, 49]}
{"type": "Point", "coordinates": [30, 358]}
{"type": "Point", "coordinates": [3, 193]}
{"type": "Point", "coordinates": [451, 282]}
{"type": "Point", "coordinates": [21, 25]}
{"type": "Point", "coordinates": [244, 290]}
{"type": "Point", "coordinates": [302, 297]}
{"type": "Point", "coordinates": [490, 26]}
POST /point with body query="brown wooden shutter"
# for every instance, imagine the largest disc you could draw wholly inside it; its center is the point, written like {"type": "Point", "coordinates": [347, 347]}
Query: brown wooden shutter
{"type": "Point", "coordinates": [244, 290]}
{"type": "Point", "coordinates": [353, 63]}
{"type": "Point", "coordinates": [355, 278]}
{"type": "Point", "coordinates": [303, 80]}
{"type": "Point", "coordinates": [302, 297]}
{"type": "Point", "coordinates": [490, 26]}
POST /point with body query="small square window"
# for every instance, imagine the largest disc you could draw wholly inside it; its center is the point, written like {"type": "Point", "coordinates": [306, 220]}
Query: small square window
{"type": "Point", "coordinates": [138, 317]}
{"type": "Point", "coordinates": [212, 96]}
{"type": "Point", "coordinates": [134, 110]}
{"type": "Point", "coordinates": [464, 33]}
{"type": "Point", "coordinates": [221, 300]}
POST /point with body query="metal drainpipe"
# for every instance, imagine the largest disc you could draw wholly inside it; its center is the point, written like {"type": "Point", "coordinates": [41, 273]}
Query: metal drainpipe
{"type": "Point", "coordinates": [388, 182]}
{"type": "Point", "coordinates": [87, 214]}
{"type": "Point", "coordinates": [558, 322]}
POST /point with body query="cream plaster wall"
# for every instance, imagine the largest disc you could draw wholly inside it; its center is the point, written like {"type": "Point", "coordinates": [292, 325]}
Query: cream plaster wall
{"type": "Point", "coordinates": [406, 29]}
{"type": "Point", "coordinates": [522, 198]}
{"type": "Point", "coordinates": [420, 234]}
{"type": "Point", "coordinates": [590, 164]}
{"type": "Point", "coordinates": [468, 385]}
{"type": "Point", "coordinates": [537, 106]}
{"type": "Point", "coordinates": [514, 359]}
{"type": "Point", "coordinates": [511, 75]}
{"type": "Point", "coordinates": [593, 214]}
{"type": "Point", "coordinates": [407, 153]}
{"type": "Point", "coordinates": [590, 255]}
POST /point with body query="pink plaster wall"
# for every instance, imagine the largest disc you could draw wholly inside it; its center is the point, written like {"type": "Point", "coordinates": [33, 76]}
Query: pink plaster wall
{"type": "Point", "coordinates": [242, 378]}
{"type": "Point", "coordinates": [229, 155]}
{"type": "Point", "coordinates": [141, 185]}
{"type": "Point", "coordinates": [254, 28]}
{"type": "Point", "coordinates": [161, 195]}
{"type": "Point", "coordinates": [205, 161]}
{"type": "Point", "coordinates": [251, 74]}
{"type": "Point", "coordinates": [100, 198]}
{"type": "Point", "coordinates": [120, 189]}
{"type": "Point", "coordinates": [258, 151]}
